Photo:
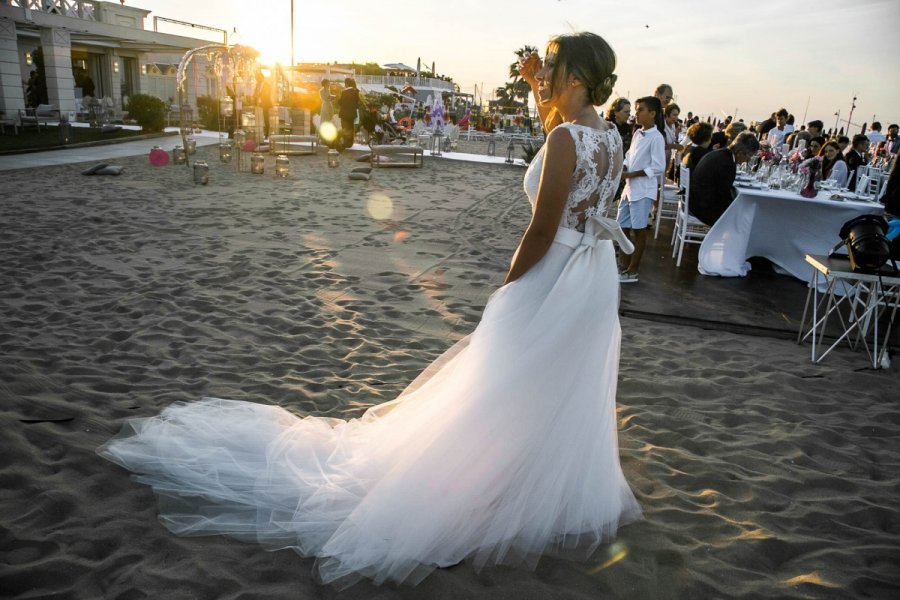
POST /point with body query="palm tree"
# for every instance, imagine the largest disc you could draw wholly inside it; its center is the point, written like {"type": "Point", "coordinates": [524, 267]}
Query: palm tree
{"type": "Point", "coordinates": [504, 94]}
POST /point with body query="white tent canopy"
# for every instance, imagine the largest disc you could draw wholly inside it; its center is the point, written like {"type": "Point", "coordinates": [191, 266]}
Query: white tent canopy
{"type": "Point", "coordinates": [398, 67]}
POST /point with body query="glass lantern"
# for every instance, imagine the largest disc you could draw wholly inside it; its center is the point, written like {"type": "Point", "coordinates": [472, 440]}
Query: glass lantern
{"type": "Point", "coordinates": [191, 145]}
{"type": "Point", "coordinates": [257, 163]}
{"type": "Point", "coordinates": [510, 148]}
{"type": "Point", "coordinates": [178, 156]}
{"type": "Point", "coordinates": [227, 106]}
{"type": "Point", "coordinates": [201, 172]}
{"type": "Point", "coordinates": [65, 131]}
{"type": "Point", "coordinates": [240, 137]}
{"type": "Point", "coordinates": [225, 152]}
{"type": "Point", "coordinates": [436, 139]}
{"type": "Point", "coordinates": [282, 166]}
{"type": "Point", "coordinates": [492, 147]}
{"type": "Point", "coordinates": [334, 159]}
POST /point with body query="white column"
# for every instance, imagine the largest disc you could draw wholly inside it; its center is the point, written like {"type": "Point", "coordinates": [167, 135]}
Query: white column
{"type": "Point", "coordinates": [12, 98]}
{"type": "Point", "coordinates": [116, 80]}
{"type": "Point", "coordinates": [57, 48]}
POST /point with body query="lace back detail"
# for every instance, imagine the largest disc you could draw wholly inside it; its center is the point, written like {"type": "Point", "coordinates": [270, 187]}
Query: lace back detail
{"type": "Point", "coordinates": [598, 169]}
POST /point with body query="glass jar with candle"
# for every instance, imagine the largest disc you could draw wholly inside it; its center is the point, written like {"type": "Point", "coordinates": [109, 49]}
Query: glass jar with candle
{"type": "Point", "coordinates": [282, 166]}
{"type": "Point", "coordinates": [201, 172]}
{"type": "Point", "coordinates": [225, 151]}
{"type": "Point", "coordinates": [178, 155]}
{"type": "Point", "coordinates": [191, 145]}
{"type": "Point", "coordinates": [257, 163]}
{"type": "Point", "coordinates": [334, 159]}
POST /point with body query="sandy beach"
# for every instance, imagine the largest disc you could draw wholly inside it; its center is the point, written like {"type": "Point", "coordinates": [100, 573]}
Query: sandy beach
{"type": "Point", "coordinates": [760, 474]}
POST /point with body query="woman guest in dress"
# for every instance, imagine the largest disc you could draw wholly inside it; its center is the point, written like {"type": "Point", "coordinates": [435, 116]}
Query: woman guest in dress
{"type": "Point", "coordinates": [700, 135]}
{"type": "Point", "coordinates": [619, 113]}
{"type": "Point", "coordinates": [325, 95]}
{"type": "Point", "coordinates": [503, 449]}
{"type": "Point", "coordinates": [834, 166]}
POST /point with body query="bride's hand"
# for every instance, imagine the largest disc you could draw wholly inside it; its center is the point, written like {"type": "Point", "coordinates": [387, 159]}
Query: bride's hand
{"type": "Point", "coordinates": [529, 65]}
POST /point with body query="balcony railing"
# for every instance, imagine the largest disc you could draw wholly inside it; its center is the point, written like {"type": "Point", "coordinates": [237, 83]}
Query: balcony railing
{"type": "Point", "coordinates": [76, 9]}
{"type": "Point", "coordinates": [400, 81]}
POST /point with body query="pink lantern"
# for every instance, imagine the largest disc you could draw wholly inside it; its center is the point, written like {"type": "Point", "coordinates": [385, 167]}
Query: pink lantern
{"type": "Point", "coordinates": [249, 145]}
{"type": "Point", "coordinates": [158, 157]}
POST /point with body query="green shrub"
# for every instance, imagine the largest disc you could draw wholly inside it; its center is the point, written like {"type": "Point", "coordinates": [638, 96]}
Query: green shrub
{"type": "Point", "coordinates": [208, 112]}
{"type": "Point", "coordinates": [148, 111]}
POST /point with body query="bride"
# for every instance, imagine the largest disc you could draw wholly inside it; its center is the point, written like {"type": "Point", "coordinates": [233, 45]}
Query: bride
{"type": "Point", "coordinates": [503, 449]}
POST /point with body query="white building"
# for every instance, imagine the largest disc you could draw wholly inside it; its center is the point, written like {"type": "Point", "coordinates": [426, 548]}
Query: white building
{"type": "Point", "coordinates": [106, 39]}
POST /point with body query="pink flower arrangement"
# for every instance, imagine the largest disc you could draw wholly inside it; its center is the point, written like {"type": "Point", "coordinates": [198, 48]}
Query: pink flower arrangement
{"type": "Point", "coordinates": [810, 165]}
{"type": "Point", "coordinates": [766, 154]}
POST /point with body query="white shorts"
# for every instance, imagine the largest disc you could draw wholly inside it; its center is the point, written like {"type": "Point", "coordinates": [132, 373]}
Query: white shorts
{"type": "Point", "coordinates": [634, 214]}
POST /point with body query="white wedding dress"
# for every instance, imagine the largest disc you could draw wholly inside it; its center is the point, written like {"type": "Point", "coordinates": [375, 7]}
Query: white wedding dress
{"type": "Point", "coordinates": [503, 449]}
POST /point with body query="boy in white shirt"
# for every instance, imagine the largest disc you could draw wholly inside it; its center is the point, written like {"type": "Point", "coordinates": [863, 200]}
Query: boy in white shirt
{"type": "Point", "coordinates": [644, 163]}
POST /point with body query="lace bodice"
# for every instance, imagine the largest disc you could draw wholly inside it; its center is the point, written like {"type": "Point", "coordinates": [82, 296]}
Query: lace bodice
{"type": "Point", "coordinates": [598, 168]}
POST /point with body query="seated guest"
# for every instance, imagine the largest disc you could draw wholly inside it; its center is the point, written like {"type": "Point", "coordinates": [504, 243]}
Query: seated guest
{"type": "Point", "coordinates": [843, 141]}
{"type": "Point", "coordinates": [712, 179]}
{"type": "Point", "coordinates": [813, 129]}
{"type": "Point", "coordinates": [815, 144]}
{"type": "Point", "coordinates": [766, 126]}
{"type": "Point", "coordinates": [893, 138]}
{"type": "Point", "coordinates": [875, 135]}
{"type": "Point", "coordinates": [834, 166]}
{"type": "Point", "coordinates": [855, 157]}
{"type": "Point", "coordinates": [719, 140]}
{"type": "Point", "coordinates": [733, 130]}
{"type": "Point", "coordinates": [700, 135]}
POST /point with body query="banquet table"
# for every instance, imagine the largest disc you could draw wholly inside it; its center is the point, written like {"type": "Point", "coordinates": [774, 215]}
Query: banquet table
{"type": "Point", "coordinates": [779, 225]}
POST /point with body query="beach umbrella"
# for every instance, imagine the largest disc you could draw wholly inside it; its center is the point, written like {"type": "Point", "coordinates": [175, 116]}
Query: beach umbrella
{"type": "Point", "coordinates": [418, 66]}
{"type": "Point", "coordinates": [864, 128]}
{"type": "Point", "coordinates": [841, 132]}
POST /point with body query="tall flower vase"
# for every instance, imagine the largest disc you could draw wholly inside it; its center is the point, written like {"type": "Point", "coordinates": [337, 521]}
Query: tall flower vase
{"type": "Point", "coordinates": [809, 190]}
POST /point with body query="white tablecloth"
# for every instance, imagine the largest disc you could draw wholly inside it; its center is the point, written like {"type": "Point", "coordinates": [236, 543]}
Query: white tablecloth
{"type": "Point", "coordinates": [778, 225]}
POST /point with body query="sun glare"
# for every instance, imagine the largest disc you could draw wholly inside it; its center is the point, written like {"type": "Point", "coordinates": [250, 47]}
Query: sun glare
{"type": "Point", "coordinates": [270, 34]}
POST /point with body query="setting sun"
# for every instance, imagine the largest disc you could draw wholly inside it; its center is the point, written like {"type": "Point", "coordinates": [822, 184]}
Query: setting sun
{"type": "Point", "coordinates": [269, 31]}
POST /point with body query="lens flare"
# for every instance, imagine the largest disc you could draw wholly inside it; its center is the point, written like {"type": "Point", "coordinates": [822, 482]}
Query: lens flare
{"type": "Point", "coordinates": [328, 131]}
{"type": "Point", "coordinates": [399, 235]}
{"type": "Point", "coordinates": [379, 207]}
{"type": "Point", "coordinates": [617, 551]}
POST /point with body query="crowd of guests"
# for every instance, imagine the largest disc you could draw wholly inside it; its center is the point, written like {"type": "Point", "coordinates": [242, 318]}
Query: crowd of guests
{"type": "Point", "coordinates": [657, 140]}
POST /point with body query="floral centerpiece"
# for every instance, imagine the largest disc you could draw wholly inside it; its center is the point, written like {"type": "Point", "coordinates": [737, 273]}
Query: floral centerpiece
{"type": "Point", "coordinates": [810, 167]}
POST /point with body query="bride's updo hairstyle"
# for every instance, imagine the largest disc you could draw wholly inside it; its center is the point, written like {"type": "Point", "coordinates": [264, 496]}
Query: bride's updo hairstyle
{"type": "Point", "coordinates": [590, 59]}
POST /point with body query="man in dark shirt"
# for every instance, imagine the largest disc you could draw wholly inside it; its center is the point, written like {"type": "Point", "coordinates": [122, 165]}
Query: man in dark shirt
{"type": "Point", "coordinates": [855, 157]}
{"type": "Point", "coordinates": [766, 126]}
{"type": "Point", "coordinates": [893, 138]}
{"type": "Point", "coordinates": [713, 177]}
{"type": "Point", "coordinates": [348, 103]}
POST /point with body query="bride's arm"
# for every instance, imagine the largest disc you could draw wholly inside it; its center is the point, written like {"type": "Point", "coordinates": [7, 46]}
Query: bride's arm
{"type": "Point", "coordinates": [529, 67]}
{"type": "Point", "coordinates": [553, 190]}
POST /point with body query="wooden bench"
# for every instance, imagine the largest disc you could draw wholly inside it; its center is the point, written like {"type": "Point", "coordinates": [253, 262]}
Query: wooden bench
{"type": "Point", "coordinates": [412, 156]}
{"type": "Point", "coordinates": [293, 144]}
